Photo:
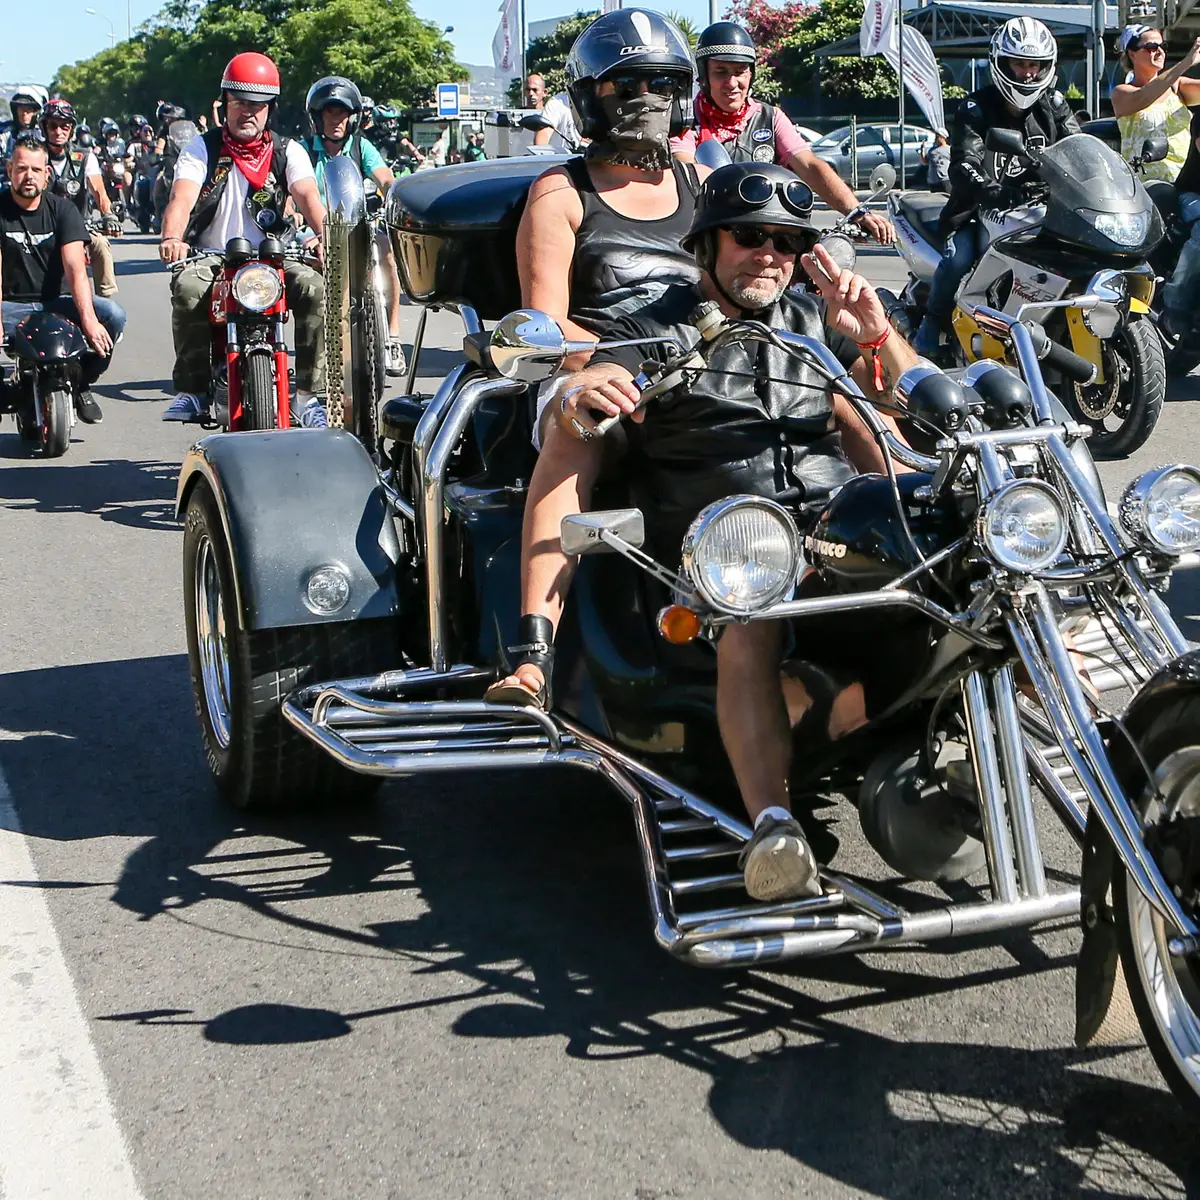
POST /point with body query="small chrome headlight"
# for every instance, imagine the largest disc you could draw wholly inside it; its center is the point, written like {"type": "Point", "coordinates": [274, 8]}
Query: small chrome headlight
{"type": "Point", "coordinates": [742, 554]}
{"type": "Point", "coordinates": [257, 287]}
{"type": "Point", "coordinates": [1024, 526]}
{"type": "Point", "coordinates": [327, 589]}
{"type": "Point", "coordinates": [1161, 509]}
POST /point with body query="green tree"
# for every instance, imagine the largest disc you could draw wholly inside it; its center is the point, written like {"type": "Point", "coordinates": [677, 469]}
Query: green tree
{"type": "Point", "coordinates": [179, 55]}
{"type": "Point", "coordinates": [686, 27]}
{"type": "Point", "coordinates": [548, 55]}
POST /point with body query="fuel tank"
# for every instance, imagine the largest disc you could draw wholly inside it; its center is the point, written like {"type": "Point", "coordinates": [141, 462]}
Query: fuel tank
{"type": "Point", "coordinates": [857, 542]}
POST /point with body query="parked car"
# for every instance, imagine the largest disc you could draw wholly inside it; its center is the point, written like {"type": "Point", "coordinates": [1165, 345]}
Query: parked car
{"type": "Point", "coordinates": [809, 135]}
{"type": "Point", "coordinates": [876, 144]}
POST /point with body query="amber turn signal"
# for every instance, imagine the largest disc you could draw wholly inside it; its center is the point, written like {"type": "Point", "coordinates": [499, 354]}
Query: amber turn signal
{"type": "Point", "coordinates": [678, 625]}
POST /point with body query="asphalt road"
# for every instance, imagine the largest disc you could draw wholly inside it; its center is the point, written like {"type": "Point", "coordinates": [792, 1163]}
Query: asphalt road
{"type": "Point", "coordinates": [454, 991]}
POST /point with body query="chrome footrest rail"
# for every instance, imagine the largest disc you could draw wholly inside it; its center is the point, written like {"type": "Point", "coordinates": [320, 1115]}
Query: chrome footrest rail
{"type": "Point", "coordinates": [387, 725]}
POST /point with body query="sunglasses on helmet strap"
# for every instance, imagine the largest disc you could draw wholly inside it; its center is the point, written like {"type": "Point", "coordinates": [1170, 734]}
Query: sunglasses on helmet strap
{"type": "Point", "coordinates": [753, 237]}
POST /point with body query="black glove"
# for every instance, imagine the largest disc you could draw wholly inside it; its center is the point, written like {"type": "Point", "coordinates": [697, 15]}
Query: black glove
{"type": "Point", "coordinates": [112, 227]}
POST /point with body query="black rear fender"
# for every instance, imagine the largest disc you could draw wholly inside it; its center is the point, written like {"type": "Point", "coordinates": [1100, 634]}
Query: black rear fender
{"type": "Point", "coordinates": [291, 501]}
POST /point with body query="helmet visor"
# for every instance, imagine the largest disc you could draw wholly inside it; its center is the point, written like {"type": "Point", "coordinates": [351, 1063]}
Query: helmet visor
{"type": "Point", "coordinates": [1027, 74]}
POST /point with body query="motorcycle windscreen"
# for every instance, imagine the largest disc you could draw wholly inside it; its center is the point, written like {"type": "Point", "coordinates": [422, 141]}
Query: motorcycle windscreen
{"type": "Point", "coordinates": [1085, 173]}
{"type": "Point", "coordinates": [1096, 199]}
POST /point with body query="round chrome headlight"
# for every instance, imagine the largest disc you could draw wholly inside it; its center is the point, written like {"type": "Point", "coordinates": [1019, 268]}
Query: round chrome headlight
{"type": "Point", "coordinates": [742, 554]}
{"type": "Point", "coordinates": [257, 287]}
{"type": "Point", "coordinates": [327, 589]}
{"type": "Point", "coordinates": [1024, 526]}
{"type": "Point", "coordinates": [1161, 509]}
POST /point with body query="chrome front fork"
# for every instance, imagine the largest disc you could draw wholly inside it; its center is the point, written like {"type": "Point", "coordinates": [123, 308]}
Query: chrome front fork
{"type": "Point", "coordinates": [1033, 626]}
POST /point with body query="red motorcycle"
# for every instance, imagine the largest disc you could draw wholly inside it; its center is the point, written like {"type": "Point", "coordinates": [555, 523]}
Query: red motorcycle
{"type": "Point", "coordinates": [248, 311]}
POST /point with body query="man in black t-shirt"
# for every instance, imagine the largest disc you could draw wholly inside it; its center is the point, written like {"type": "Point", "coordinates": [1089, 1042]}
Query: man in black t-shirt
{"type": "Point", "coordinates": [43, 266]}
{"type": "Point", "coordinates": [756, 421]}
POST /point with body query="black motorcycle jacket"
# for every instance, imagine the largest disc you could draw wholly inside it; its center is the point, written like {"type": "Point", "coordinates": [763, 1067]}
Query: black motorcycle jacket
{"type": "Point", "coordinates": [759, 421]}
{"type": "Point", "coordinates": [981, 178]}
{"type": "Point", "coordinates": [70, 183]}
{"type": "Point", "coordinates": [266, 205]}
{"type": "Point", "coordinates": [756, 142]}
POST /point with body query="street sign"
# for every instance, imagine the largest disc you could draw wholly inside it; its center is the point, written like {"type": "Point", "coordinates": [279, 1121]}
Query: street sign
{"type": "Point", "coordinates": [447, 99]}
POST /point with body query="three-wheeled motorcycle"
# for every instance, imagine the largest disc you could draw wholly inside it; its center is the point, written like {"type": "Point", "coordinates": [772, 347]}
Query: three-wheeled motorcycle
{"type": "Point", "coordinates": [344, 633]}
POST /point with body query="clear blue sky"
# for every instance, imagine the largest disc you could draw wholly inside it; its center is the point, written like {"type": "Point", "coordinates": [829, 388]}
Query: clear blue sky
{"type": "Point", "coordinates": [34, 55]}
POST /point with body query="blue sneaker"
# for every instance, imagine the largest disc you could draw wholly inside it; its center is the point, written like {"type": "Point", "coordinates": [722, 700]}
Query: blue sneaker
{"type": "Point", "coordinates": [313, 416]}
{"type": "Point", "coordinates": [187, 406]}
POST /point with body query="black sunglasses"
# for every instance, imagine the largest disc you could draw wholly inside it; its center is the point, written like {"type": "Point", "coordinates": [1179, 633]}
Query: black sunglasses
{"type": "Point", "coordinates": [753, 237]}
{"type": "Point", "coordinates": [758, 190]}
{"type": "Point", "coordinates": [1151, 46]}
{"type": "Point", "coordinates": [629, 87]}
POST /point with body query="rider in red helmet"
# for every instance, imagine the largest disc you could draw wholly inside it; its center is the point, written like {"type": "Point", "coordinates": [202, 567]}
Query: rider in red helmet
{"type": "Point", "coordinates": [234, 182]}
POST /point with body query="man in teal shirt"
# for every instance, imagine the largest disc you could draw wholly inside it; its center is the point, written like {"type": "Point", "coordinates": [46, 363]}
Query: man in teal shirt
{"type": "Point", "coordinates": [335, 109]}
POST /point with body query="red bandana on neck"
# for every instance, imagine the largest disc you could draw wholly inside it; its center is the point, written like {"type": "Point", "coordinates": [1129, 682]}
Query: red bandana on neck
{"type": "Point", "coordinates": [714, 122]}
{"type": "Point", "coordinates": [253, 158]}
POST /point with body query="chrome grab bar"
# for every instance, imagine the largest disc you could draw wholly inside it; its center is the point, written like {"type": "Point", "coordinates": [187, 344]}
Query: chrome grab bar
{"type": "Point", "coordinates": [433, 494]}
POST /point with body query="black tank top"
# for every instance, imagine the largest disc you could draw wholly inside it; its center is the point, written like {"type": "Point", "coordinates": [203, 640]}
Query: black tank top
{"type": "Point", "coordinates": [621, 264]}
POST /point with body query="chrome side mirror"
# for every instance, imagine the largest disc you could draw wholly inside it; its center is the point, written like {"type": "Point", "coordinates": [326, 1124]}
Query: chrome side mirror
{"type": "Point", "coordinates": [528, 346]}
{"type": "Point", "coordinates": [883, 178]}
{"type": "Point", "coordinates": [585, 533]}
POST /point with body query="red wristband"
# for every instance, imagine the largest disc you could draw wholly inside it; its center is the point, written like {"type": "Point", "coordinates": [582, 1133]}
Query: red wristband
{"type": "Point", "coordinates": [876, 365]}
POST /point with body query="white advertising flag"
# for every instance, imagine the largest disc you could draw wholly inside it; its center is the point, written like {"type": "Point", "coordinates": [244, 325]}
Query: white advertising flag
{"type": "Point", "coordinates": [880, 34]}
{"type": "Point", "coordinates": [504, 43]}
{"type": "Point", "coordinates": [610, 6]}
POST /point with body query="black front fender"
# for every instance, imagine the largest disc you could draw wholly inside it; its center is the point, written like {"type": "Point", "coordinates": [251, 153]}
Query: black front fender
{"type": "Point", "coordinates": [291, 501]}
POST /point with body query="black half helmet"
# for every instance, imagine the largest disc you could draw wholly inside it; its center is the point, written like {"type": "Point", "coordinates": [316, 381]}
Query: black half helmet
{"type": "Point", "coordinates": [728, 41]}
{"type": "Point", "coordinates": [749, 193]}
{"type": "Point", "coordinates": [630, 40]}
{"type": "Point", "coordinates": [334, 89]}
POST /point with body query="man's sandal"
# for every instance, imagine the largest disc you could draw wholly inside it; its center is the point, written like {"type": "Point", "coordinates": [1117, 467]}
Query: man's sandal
{"type": "Point", "coordinates": [537, 650]}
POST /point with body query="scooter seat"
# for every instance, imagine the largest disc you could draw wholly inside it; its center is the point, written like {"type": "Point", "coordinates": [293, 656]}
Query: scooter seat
{"type": "Point", "coordinates": [923, 209]}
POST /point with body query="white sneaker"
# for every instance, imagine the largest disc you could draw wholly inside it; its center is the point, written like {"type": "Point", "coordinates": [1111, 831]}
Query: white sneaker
{"type": "Point", "coordinates": [778, 863]}
{"type": "Point", "coordinates": [396, 364]}
{"type": "Point", "coordinates": [187, 406]}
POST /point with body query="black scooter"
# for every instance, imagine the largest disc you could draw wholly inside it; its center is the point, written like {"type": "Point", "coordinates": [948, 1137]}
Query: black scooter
{"type": "Point", "coordinates": [44, 390]}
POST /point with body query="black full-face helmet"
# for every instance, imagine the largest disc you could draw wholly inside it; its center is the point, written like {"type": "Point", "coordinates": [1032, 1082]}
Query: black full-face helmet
{"type": "Point", "coordinates": [629, 41]}
{"type": "Point", "coordinates": [727, 41]}
{"type": "Point", "coordinates": [747, 193]}
{"type": "Point", "coordinates": [334, 89]}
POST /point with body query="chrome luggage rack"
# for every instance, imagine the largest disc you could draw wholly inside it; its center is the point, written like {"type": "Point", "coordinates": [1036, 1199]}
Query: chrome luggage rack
{"type": "Point", "coordinates": [387, 726]}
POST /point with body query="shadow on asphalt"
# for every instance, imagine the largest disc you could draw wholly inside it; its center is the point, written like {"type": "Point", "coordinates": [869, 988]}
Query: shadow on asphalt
{"type": "Point", "coordinates": [138, 494]}
{"type": "Point", "coordinates": [139, 266]}
{"type": "Point", "coordinates": [160, 390]}
{"type": "Point", "coordinates": [535, 913]}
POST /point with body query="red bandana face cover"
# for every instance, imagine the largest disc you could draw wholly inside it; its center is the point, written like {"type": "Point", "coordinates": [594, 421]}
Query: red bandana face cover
{"type": "Point", "coordinates": [253, 158]}
{"type": "Point", "coordinates": [714, 122]}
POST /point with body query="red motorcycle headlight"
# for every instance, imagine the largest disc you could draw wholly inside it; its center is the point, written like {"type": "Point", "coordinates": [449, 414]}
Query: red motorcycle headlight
{"type": "Point", "coordinates": [257, 287]}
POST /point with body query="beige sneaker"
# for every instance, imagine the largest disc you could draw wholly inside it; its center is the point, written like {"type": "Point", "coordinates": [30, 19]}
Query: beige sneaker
{"type": "Point", "coordinates": [778, 863]}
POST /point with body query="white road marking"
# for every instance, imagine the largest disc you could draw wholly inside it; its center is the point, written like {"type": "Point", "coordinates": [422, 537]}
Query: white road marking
{"type": "Point", "coordinates": [58, 1135]}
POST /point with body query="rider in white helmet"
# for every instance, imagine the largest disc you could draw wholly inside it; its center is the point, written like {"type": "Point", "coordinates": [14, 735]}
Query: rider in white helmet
{"type": "Point", "coordinates": [1022, 97]}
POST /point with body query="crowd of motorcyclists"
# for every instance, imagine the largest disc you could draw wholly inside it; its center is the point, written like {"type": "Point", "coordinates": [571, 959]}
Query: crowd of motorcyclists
{"type": "Point", "coordinates": [625, 237]}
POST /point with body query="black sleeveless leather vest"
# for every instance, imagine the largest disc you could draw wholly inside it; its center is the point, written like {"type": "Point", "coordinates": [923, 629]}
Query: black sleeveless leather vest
{"type": "Point", "coordinates": [621, 264]}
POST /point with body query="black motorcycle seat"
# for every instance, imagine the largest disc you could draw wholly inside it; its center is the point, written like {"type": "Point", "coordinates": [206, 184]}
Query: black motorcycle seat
{"type": "Point", "coordinates": [924, 209]}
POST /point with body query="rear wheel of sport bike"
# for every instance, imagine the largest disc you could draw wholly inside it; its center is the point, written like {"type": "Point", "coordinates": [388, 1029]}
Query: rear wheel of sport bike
{"type": "Point", "coordinates": [259, 406]}
{"type": "Point", "coordinates": [1124, 409]}
{"type": "Point", "coordinates": [55, 432]}
{"type": "Point", "coordinates": [240, 678]}
{"type": "Point", "coordinates": [1166, 990]}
